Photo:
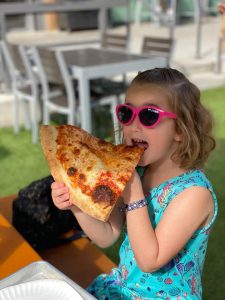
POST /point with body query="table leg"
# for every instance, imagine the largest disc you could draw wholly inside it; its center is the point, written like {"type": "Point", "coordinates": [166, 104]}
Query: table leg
{"type": "Point", "coordinates": [85, 103]}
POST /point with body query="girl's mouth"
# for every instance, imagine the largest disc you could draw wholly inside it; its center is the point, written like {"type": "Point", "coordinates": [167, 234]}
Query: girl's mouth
{"type": "Point", "coordinates": [140, 143]}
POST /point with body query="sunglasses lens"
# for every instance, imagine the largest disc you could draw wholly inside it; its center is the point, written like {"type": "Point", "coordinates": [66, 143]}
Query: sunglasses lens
{"type": "Point", "coordinates": [124, 114]}
{"type": "Point", "coordinates": [148, 116]}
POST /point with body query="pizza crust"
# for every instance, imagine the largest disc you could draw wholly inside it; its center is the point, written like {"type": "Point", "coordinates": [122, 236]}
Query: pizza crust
{"type": "Point", "coordinates": [92, 153]}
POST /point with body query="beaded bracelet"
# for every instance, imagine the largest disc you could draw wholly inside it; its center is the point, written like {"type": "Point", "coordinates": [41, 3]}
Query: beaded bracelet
{"type": "Point", "coordinates": [134, 205]}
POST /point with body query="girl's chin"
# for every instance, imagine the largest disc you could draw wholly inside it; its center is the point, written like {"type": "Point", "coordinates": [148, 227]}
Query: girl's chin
{"type": "Point", "coordinates": [142, 165]}
{"type": "Point", "coordinates": [142, 162]}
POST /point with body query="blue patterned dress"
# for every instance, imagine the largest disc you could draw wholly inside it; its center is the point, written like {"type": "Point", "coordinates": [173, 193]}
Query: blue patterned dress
{"type": "Point", "coordinates": [181, 277]}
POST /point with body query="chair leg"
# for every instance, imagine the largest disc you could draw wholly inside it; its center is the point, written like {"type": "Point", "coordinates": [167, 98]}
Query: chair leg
{"type": "Point", "coordinates": [71, 116]}
{"type": "Point", "coordinates": [114, 119]}
{"type": "Point", "coordinates": [16, 112]}
{"type": "Point", "coordinates": [26, 110]}
{"type": "Point", "coordinates": [34, 122]}
{"type": "Point", "coordinates": [71, 119]}
{"type": "Point", "coordinates": [45, 114]}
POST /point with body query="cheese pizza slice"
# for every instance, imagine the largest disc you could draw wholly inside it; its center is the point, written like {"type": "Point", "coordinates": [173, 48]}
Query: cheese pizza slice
{"type": "Point", "coordinates": [95, 171]}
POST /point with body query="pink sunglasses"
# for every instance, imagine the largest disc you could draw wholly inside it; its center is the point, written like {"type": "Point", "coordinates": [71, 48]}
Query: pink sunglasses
{"type": "Point", "coordinates": [149, 116]}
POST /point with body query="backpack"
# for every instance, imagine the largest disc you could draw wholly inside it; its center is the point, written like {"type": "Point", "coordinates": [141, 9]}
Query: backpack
{"type": "Point", "coordinates": [38, 220]}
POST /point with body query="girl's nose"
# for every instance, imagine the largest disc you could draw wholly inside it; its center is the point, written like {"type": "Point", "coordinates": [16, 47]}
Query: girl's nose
{"type": "Point", "coordinates": [136, 125]}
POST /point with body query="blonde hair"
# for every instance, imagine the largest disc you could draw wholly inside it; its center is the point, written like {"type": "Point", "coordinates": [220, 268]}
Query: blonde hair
{"type": "Point", "coordinates": [194, 122]}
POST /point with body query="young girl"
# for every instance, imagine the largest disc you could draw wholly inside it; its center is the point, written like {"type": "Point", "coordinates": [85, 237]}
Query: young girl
{"type": "Point", "coordinates": [167, 231]}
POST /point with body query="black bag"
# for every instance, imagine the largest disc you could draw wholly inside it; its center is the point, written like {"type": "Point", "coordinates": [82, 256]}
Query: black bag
{"type": "Point", "coordinates": [38, 220]}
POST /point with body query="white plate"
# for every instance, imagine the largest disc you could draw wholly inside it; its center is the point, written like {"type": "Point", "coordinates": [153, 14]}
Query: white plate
{"type": "Point", "coordinates": [44, 289]}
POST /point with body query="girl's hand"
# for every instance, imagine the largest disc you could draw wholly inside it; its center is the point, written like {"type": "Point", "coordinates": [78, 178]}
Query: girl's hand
{"type": "Point", "coordinates": [133, 190]}
{"type": "Point", "coordinates": [60, 195]}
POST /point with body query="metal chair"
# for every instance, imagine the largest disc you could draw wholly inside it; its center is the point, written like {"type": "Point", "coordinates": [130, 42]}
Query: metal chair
{"type": "Point", "coordinates": [24, 86]}
{"type": "Point", "coordinates": [107, 86]}
{"type": "Point", "coordinates": [115, 41]}
{"type": "Point", "coordinates": [57, 93]}
{"type": "Point", "coordinates": [52, 69]}
{"type": "Point", "coordinates": [158, 47]}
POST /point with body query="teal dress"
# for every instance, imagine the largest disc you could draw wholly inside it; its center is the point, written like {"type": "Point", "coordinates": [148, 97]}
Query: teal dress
{"type": "Point", "coordinates": [180, 278]}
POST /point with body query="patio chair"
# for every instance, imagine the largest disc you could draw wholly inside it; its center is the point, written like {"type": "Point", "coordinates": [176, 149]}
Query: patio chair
{"type": "Point", "coordinates": [158, 47]}
{"type": "Point", "coordinates": [52, 69]}
{"type": "Point", "coordinates": [24, 86]}
{"type": "Point", "coordinates": [114, 41]}
{"type": "Point", "coordinates": [107, 86]}
{"type": "Point", "coordinates": [57, 94]}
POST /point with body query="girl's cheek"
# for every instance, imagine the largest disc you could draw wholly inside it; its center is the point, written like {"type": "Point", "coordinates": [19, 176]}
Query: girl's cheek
{"type": "Point", "coordinates": [126, 135]}
{"type": "Point", "coordinates": [126, 140]}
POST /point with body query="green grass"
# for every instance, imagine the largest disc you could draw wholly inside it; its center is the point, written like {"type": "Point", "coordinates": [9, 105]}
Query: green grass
{"type": "Point", "coordinates": [213, 275]}
{"type": "Point", "coordinates": [22, 162]}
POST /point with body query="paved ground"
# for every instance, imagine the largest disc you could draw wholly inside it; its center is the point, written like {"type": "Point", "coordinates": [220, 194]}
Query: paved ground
{"type": "Point", "coordinates": [201, 71]}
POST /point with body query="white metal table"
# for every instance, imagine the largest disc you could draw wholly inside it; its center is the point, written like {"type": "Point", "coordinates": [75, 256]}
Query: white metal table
{"type": "Point", "coordinates": [86, 64]}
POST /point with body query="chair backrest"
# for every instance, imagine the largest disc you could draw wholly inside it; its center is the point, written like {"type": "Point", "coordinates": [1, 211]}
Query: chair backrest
{"type": "Point", "coordinates": [26, 61]}
{"type": "Point", "coordinates": [7, 57]}
{"type": "Point", "coordinates": [115, 41]}
{"type": "Point", "coordinates": [16, 57]}
{"type": "Point", "coordinates": [158, 47]}
{"type": "Point", "coordinates": [50, 66]}
{"type": "Point", "coordinates": [15, 61]}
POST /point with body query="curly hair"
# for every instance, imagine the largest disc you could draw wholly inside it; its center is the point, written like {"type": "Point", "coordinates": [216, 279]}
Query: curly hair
{"type": "Point", "coordinates": [194, 122]}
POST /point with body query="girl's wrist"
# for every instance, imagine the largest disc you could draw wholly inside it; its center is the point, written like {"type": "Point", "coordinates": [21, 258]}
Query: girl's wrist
{"type": "Point", "coordinates": [134, 198]}
{"type": "Point", "coordinates": [74, 209]}
{"type": "Point", "coordinates": [133, 205]}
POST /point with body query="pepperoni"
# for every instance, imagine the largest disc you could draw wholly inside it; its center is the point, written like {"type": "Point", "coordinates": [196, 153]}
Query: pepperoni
{"type": "Point", "coordinates": [103, 193]}
{"type": "Point", "coordinates": [71, 171]}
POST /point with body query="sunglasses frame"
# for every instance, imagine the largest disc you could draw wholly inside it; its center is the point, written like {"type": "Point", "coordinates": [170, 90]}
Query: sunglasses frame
{"type": "Point", "coordinates": [137, 110]}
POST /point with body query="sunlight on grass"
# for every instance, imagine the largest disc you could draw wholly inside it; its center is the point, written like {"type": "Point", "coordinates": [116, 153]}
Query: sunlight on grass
{"type": "Point", "coordinates": [214, 100]}
{"type": "Point", "coordinates": [213, 275]}
{"type": "Point", "coordinates": [21, 161]}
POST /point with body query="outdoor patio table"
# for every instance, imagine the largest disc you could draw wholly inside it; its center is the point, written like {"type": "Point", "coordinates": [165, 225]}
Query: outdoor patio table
{"type": "Point", "coordinates": [86, 64]}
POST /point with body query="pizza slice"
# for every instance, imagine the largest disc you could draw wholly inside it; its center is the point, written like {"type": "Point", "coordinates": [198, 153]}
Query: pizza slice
{"type": "Point", "coordinates": [95, 171]}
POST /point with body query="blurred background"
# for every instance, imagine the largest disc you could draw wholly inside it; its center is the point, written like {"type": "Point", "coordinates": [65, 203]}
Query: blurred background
{"type": "Point", "coordinates": [184, 34]}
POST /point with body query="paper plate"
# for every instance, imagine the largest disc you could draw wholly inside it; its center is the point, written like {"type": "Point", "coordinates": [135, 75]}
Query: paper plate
{"type": "Point", "coordinates": [44, 289]}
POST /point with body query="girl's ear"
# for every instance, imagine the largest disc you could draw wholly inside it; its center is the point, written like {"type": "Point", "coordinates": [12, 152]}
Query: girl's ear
{"type": "Point", "coordinates": [178, 137]}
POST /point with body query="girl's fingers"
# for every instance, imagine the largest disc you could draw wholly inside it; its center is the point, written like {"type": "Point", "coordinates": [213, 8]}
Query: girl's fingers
{"type": "Point", "coordinates": [65, 205]}
{"type": "Point", "coordinates": [60, 195]}
{"type": "Point", "coordinates": [62, 198]}
{"type": "Point", "coordinates": [56, 185]}
{"type": "Point", "coordinates": [59, 191]}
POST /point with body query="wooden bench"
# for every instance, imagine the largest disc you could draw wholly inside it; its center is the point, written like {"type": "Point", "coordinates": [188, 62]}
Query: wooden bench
{"type": "Point", "coordinates": [80, 260]}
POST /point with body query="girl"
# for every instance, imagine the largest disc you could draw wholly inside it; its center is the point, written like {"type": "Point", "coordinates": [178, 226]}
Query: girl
{"type": "Point", "coordinates": [168, 206]}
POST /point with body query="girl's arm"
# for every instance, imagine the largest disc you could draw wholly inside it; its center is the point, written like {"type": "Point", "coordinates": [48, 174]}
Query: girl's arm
{"type": "Point", "coordinates": [153, 248]}
{"type": "Point", "coordinates": [103, 234]}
